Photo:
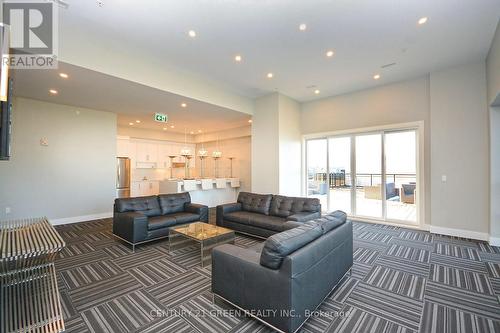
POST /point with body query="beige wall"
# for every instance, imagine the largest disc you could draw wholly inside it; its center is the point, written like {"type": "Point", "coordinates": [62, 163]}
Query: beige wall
{"type": "Point", "coordinates": [396, 103]}
{"type": "Point", "coordinates": [493, 82]}
{"type": "Point", "coordinates": [142, 133]}
{"type": "Point", "coordinates": [265, 145]}
{"type": "Point", "coordinates": [493, 67]}
{"type": "Point", "coordinates": [459, 136]}
{"type": "Point", "coordinates": [240, 149]}
{"type": "Point", "coordinates": [73, 176]}
{"type": "Point", "coordinates": [290, 141]}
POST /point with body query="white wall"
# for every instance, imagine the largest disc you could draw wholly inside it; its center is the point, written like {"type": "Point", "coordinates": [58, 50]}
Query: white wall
{"type": "Point", "coordinates": [401, 102]}
{"type": "Point", "coordinates": [459, 150]}
{"type": "Point", "coordinates": [290, 141]}
{"type": "Point", "coordinates": [493, 83]}
{"type": "Point", "coordinates": [265, 145]}
{"type": "Point", "coordinates": [73, 176]}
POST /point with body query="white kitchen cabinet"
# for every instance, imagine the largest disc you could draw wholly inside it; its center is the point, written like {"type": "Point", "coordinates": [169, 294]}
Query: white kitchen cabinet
{"type": "Point", "coordinates": [122, 147]}
{"type": "Point", "coordinates": [147, 152]}
{"type": "Point", "coordinates": [163, 152]}
{"type": "Point", "coordinates": [144, 188]}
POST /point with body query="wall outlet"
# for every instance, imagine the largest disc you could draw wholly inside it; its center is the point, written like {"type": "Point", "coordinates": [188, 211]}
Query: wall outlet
{"type": "Point", "coordinates": [444, 178]}
{"type": "Point", "coordinates": [44, 142]}
{"type": "Point", "coordinates": [7, 210]}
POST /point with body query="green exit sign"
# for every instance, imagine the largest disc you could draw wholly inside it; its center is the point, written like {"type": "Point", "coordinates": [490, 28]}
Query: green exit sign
{"type": "Point", "coordinates": [160, 117]}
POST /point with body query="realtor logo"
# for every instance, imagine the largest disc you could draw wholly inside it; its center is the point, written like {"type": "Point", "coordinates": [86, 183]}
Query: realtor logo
{"type": "Point", "coordinates": [31, 27]}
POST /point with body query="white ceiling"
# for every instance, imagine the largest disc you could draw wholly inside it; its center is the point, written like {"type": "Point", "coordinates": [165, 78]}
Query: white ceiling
{"type": "Point", "coordinates": [131, 101]}
{"type": "Point", "coordinates": [365, 35]}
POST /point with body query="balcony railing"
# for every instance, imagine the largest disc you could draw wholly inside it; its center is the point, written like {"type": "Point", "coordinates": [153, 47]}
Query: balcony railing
{"type": "Point", "coordinates": [343, 179]}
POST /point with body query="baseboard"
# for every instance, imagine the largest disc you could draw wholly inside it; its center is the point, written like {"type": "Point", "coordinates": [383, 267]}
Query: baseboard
{"type": "Point", "coordinates": [460, 233]}
{"type": "Point", "coordinates": [495, 241]}
{"type": "Point", "coordinates": [83, 218]}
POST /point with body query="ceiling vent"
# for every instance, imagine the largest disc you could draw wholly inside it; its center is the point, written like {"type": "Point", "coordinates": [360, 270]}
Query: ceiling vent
{"type": "Point", "coordinates": [388, 65]}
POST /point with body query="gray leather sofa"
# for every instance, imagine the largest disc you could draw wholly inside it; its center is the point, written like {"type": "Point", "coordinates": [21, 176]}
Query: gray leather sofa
{"type": "Point", "coordinates": [289, 275]}
{"type": "Point", "coordinates": [142, 219]}
{"type": "Point", "coordinates": [264, 215]}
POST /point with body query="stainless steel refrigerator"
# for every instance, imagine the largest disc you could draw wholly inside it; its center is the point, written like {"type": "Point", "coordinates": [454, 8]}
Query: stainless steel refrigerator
{"type": "Point", "coordinates": [122, 177]}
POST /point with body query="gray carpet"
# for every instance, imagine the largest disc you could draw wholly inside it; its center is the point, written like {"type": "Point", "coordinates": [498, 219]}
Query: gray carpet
{"type": "Point", "coordinates": [402, 281]}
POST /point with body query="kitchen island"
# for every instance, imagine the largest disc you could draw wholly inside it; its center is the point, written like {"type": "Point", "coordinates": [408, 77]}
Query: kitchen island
{"type": "Point", "coordinates": [207, 192]}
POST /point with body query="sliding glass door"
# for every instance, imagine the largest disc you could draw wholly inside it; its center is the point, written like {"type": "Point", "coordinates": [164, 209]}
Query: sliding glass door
{"type": "Point", "coordinates": [368, 175]}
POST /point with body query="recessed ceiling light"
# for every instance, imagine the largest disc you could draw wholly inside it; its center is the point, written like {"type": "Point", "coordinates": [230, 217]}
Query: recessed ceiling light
{"type": "Point", "coordinates": [317, 92]}
{"type": "Point", "coordinates": [376, 76]}
{"type": "Point", "coordinates": [63, 75]}
{"type": "Point", "coordinates": [138, 121]}
{"type": "Point", "coordinates": [330, 53]}
{"type": "Point", "coordinates": [191, 132]}
{"type": "Point", "coordinates": [130, 124]}
{"type": "Point", "coordinates": [422, 20]}
{"type": "Point", "coordinates": [237, 58]}
{"type": "Point", "coordinates": [53, 91]}
{"type": "Point", "coordinates": [199, 131]}
{"type": "Point", "coordinates": [184, 105]}
{"type": "Point", "coordinates": [164, 128]}
{"type": "Point", "coordinates": [302, 27]}
{"type": "Point", "coordinates": [172, 126]}
{"type": "Point", "coordinates": [270, 75]}
{"type": "Point", "coordinates": [250, 121]}
{"type": "Point", "coordinates": [192, 33]}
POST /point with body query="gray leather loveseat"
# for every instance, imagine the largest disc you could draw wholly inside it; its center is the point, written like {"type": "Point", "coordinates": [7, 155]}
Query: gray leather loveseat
{"type": "Point", "coordinates": [264, 215]}
{"type": "Point", "coordinates": [142, 219]}
{"type": "Point", "coordinates": [289, 275]}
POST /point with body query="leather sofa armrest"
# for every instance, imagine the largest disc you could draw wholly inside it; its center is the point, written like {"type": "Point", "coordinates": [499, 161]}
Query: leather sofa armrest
{"type": "Point", "coordinates": [238, 276]}
{"type": "Point", "coordinates": [131, 226]}
{"type": "Point", "coordinates": [304, 216]}
{"type": "Point", "coordinates": [224, 209]}
{"type": "Point", "coordinates": [291, 224]}
{"type": "Point", "coordinates": [201, 210]}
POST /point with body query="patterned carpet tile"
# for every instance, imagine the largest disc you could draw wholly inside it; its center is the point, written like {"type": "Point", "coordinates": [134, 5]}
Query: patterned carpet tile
{"type": "Point", "coordinates": [123, 314]}
{"type": "Point", "coordinates": [464, 300]}
{"type": "Point", "coordinates": [395, 281]}
{"type": "Point", "coordinates": [80, 260]}
{"type": "Point", "coordinates": [461, 279]}
{"type": "Point", "coordinates": [458, 263]}
{"type": "Point", "coordinates": [401, 310]}
{"type": "Point", "coordinates": [103, 291]}
{"type": "Point", "coordinates": [359, 321]}
{"type": "Point", "coordinates": [180, 289]}
{"type": "Point", "coordinates": [374, 237]}
{"type": "Point", "coordinates": [138, 258]}
{"type": "Point", "coordinates": [439, 318]}
{"type": "Point", "coordinates": [93, 272]}
{"type": "Point", "coordinates": [105, 287]}
{"type": "Point", "coordinates": [168, 325]}
{"type": "Point", "coordinates": [157, 271]}
{"type": "Point", "coordinates": [457, 251]}
{"type": "Point", "coordinates": [366, 256]}
{"type": "Point", "coordinates": [416, 236]}
{"type": "Point", "coordinates": [206, 316]}
{"type": "Point", "coordinates": [409, 253]}
{"type": "Point", "coordinates": [404, 265]}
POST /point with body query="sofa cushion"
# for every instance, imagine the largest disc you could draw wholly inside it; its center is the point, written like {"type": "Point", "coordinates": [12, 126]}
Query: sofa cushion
{"type": "Point", "coordinates": [182, 217]}
{"type": "Point", "coordinates": [331, 221]}
{"type": "Point", "coordinates": [278, 246]}
{"type": "Point", "coordinates": [285, 206]}
{"type": "Point", "coordinates": [173, 203]}
{"type": "Point", "coordinates": [257, 203]}
{"type": "Point", "coordinates": [148, 206]}
{"type": "Point", "coordinates": [274, 223]}
{"type": "Point", "coordinates": [240, 216]}
{"type": "Point", "coordinates": [162, 221]}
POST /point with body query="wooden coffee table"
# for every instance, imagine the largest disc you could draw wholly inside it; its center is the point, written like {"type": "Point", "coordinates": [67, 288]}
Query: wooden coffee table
{"type": "Point", "coordinates": [206, 235]}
